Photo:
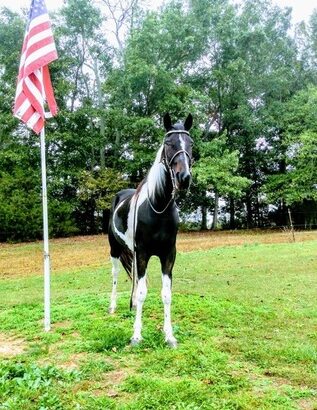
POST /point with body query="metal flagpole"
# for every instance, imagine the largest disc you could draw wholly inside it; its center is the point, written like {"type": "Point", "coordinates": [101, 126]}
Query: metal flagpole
{"type": "Point", "coordinates": [33, 80]}
{"type": "Point", "coordinates": [47, 290]}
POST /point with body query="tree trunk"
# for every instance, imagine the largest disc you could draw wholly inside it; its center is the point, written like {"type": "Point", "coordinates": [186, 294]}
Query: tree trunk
{"type": "Point", "coordinates": [249, 211]}
{"type": "Point", "coordinates": [203, 226]}
{"type": "Point", "coordinates": [232, 223]}
{"type": "Point", "coordinates": [215, 216]}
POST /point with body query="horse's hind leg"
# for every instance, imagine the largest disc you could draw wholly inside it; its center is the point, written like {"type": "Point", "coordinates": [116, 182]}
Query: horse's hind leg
{"type": "Point", "coordinates": [115, 252]}
{"type": "Point", "coordinates": [167, 263]}
{"type": "Point", "coordinates": [141, 292]}
{"type": "Point", "coordinates": [115, 273]}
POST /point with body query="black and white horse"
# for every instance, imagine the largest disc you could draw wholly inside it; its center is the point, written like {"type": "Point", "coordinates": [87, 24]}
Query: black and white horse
{"type": "Point", "coordinates": [144, 222]}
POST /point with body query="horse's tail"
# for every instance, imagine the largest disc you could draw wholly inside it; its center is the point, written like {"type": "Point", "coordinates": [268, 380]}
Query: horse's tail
{"type": "Point", "coordinates": [126, 258]}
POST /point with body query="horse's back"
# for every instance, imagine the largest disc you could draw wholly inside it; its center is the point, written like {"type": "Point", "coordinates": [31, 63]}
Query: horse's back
{"type": "Point", "coordinates": [121, 196]}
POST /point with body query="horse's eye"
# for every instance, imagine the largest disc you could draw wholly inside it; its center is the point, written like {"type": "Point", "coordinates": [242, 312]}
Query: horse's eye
{"type": "Point", "coordinates": [169, 143]}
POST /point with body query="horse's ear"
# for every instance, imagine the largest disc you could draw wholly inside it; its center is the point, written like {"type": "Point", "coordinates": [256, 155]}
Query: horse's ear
{"type": "Point", "coordinates": [188, 122]}
{"type": "Point", "coordinates": [167, 122]}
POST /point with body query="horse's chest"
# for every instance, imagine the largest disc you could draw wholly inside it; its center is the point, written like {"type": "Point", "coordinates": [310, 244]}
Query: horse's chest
{"type": "Point", "coordinates": [157, 234]}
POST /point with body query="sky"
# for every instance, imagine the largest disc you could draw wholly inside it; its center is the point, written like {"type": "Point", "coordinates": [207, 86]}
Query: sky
{"type": "Point", "coordinates": [302, 9]}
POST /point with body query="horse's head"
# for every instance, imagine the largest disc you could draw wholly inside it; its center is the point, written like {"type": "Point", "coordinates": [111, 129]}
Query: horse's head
{"type": "Point", "coordinates": [177, 152]}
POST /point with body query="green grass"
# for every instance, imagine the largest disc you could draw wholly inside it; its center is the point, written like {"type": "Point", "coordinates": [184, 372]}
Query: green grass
{"type": "Point", "coordinates": [245, 318]}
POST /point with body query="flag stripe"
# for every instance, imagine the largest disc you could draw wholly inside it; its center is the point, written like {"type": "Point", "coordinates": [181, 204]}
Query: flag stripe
{"type": "Point", "coordinates": [34, 58]}
{"type": "Point", "coordinates": [37, 21]}
{"type": "Point", "coordinates": [41, 35]}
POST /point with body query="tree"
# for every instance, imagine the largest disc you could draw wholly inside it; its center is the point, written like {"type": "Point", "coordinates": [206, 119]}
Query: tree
{"type": "Point", "coordinates": [297, 185]}
{"type": "Point", "coordinates": [216, 170]}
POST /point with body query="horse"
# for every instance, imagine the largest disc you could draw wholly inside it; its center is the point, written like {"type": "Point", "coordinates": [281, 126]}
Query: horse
{"type": "Point", "coordinates": [144, 222]}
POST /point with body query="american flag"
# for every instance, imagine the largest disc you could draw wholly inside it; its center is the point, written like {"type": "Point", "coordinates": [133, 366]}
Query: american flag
{"type": "Point", "coordinates": [34, 84]}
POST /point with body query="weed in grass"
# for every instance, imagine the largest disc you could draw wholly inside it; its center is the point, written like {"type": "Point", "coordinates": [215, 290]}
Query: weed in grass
{"type": "Point", "coordinates": [31, 385]}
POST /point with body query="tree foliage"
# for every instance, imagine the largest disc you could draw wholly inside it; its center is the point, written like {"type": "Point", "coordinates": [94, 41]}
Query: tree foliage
{"type": "Point", "coordinates": [249, 83]}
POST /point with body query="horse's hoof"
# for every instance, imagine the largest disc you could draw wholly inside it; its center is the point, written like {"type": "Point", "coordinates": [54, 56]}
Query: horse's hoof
{"type": "Point", "coordinates": [135, 342]}
{"type": "Point", "coordinates": [112, 311]}
{"type": "Point", "coordinates": [172, 343]}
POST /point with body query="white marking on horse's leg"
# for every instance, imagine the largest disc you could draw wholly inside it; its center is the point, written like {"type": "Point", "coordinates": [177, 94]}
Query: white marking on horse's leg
{"type": "Point", "coordinates": [167, 300]}
{"type": "Point", "coordinates": [140, 298]}
{"type": "Point", "coordinates": [115, 272]}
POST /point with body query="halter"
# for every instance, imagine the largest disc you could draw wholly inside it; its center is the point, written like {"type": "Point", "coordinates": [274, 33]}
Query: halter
{"type": "Point", "coordinates": [168, 168]}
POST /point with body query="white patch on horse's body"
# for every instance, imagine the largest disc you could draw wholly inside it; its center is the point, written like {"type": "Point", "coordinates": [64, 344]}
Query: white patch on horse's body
{"type": "Point", "coordinates": [136, 201]}
{"type": "Point", "coordinates": [115, 273]}
{"type": "Point", "coordinates": [141, 293]}
{"type": "Point", "coordinates": [167, 301]}
{"type": "Point", "coordinates": [183, 146]}
{"type": "Point", "coordinates": [121, 235]}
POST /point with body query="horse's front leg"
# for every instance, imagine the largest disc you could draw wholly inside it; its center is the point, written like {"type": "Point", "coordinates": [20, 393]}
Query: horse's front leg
{"type": "Point", "coordinates": [115, 273]}
{"type": "Point", "coordinates": [167, 263]}
{"type": "Point", "coordinates": [140, 294]}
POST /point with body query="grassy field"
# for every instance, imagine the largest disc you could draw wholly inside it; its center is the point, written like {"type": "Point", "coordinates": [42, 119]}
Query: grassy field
{"type": "Point", "coordinates": [244, 313]}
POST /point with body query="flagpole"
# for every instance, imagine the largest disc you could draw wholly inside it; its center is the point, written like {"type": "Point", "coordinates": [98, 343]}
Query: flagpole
{"type": "Point", "coordinates": [47, 290]}
{"type": "Point", "coordinates": [34, 81]}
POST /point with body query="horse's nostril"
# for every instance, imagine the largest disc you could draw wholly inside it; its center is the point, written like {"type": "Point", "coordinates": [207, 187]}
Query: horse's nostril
{"type": "Point", "coordinates": [184, 179]}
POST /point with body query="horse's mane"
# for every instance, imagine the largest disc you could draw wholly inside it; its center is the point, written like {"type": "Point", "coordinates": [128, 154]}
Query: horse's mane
{"type": "Point", "coordinates": [156, 176]}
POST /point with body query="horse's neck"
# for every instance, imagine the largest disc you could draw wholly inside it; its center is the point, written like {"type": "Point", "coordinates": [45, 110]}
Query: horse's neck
{"type": "Point", "coordinates": [160, 187]}
{"type": "Point", "coordinates": [163, 193]}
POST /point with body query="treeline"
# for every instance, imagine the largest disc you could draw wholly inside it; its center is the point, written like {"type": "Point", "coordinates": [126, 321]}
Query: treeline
{"type": "Point", "coordinates": [246, 75]}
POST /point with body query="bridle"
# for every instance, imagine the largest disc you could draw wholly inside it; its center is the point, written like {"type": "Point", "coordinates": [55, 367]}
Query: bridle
{"type": "Point", "coordinates": [164, 158]}
{"type": "Point", "coordinates": [167, 163]}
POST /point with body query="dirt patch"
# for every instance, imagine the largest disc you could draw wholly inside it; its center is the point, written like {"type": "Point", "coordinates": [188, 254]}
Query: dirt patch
{"type": "Point", "coordinates": [276, 380]}
{"type": "Point", "coordinates": [111, 382]}
{"type": "Point", "coordinates": [116, 377]}
{"type": "Point", "coordinates": [74, 361]}
{"type": "Point", "coordinates": [65, 324]}
{"type": "Point", "coordinates": [305, 404]}
{"type": "Point", "coordinates": [10, 347]}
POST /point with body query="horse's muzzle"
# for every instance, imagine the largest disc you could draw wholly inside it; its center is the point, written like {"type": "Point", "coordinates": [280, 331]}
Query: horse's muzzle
{"type": "Point", "coordinates": [183, 179]}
